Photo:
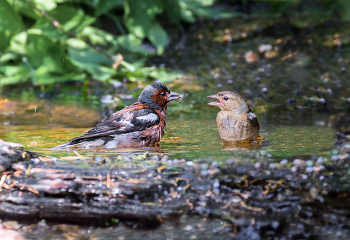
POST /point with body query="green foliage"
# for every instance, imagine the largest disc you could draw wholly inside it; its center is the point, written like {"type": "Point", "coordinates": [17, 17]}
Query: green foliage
{"type": "Point", "coordinates": [10, 24]}
{"type": "Point", "coordinates": [51, 41]}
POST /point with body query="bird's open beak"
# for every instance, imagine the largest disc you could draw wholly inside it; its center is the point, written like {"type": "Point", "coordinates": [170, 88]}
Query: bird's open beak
{"type": "Point", "coordinates": [174, 96]}
{"type": "Point", "coordinates": [214, 103]}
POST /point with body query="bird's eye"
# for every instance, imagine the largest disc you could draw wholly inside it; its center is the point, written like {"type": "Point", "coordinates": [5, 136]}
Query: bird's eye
{"type": "Point", "coordinates": [226, 98]}
{"type": "Point", "coordinates": [163, 93]}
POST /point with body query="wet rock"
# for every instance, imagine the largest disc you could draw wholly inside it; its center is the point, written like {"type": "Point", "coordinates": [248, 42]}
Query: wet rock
{"type": "Point", "coordinates": [11, 153]}
{"type": "Point", "coordinates": [251, 57]}
{"type": "Point", "coordinates": [7, 234]}
{"type": "Point", "coordinates": [284, 162]}
{"type": "Point", "coordinates": [265, 48]}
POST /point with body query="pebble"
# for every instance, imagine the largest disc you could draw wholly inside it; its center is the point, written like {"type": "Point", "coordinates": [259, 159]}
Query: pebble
{"type": "Point", "coordinates": [268, 172]}
{"type": "Point", "coordinates": [251, 57]}
{"type": "Point", "coordinates": [117, 84]}
{"type": "Point", "coordinates": [269, 155]}
{"type": "Point", "coordinates": [309, 169]}
{"type": "Point", "coordinates": [321, 178]}
{"type": "Point", "coordinates": [272, 165]}
{"type": "Point", "coordinates": [345, 156]}
{"type": "Point", "coordinates": [230, 161]}
{"type": "Point", "coordinates": [217, 171]}
{"type": "Point", "coordinates": [320, 160]}
{"type": "Point", "coordinates": [215, 164]}
{"type": "Point", "coordinates": [335, 157]}
{"type": "Point", "coordinates": [216, 191]}
{"type": "Point", "coordinates": [54, 159]}
{"type": "Point", "coordinates": [165, 158]}
{"type": "Point", "coordinates": [188, 228]}
{"type": "Point", "coordinates": [309, 163]}
{"type": "Point", "coordinates": [294, 169]}
{"type": "Point", "coordinates": [219, 85]}
{"type": "Point", "coordinates": [313, 193]}
{"type": "Point", "coordinates": [155, 158]}
{"type": "Point", "coordinates": [257, 165]}
{"type": "Point", "coordinates": [284, 162]}
{"type": "Point", "coordinates": [297, 162]}
{"type": "Point", "coordinates": [176, 161]}
{"type": "Point", "coordinates": [230, 81]}
{"type": "Point", "coordinates": [264, 89]}
{"type": "Point", "coordinates": [304, 177]}
{"type": "Point", "coordinates": [322, 168]}
{"type": "Point", "coordinates": [182, 161]}
{"type": "Point", "coordinates": [233, 64]}
{"type": "Point", "coordinates": [107, 99]}
{"type": "Point", "coordinates": [216, 184]}
{"type": "Point", "coordinates": [170, 162]}
{"type": "Point", "coordinates": [204, 172]}
{"type": "Point", "coordinates": [265, 47]}
{"type": "Point", "coordinates": [189, 163]}
{"type": "Point", "coordinates": [35, 160]}
{"type": "Point", "coordinates": [204, 166]}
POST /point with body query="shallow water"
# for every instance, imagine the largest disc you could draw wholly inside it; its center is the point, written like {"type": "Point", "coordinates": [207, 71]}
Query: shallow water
{"type": "Point", "coordinates": [188, 136]}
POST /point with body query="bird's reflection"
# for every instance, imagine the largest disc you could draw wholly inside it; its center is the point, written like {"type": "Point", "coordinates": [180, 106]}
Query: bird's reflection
{"type": "Point", "coordinates": [245, 145]}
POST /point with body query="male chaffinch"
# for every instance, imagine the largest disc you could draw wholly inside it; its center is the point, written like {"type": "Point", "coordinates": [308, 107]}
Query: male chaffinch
{"type": "Point", "coordinates": [236, 121]}
{"type": "Point", "coordinates": [139, 125]}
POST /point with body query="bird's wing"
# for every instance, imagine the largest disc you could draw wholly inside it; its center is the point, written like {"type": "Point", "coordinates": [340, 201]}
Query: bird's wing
{"type": "Point", "coordinates": [253, 119]}
{"type": "Point", "coordinates": [130, 119]}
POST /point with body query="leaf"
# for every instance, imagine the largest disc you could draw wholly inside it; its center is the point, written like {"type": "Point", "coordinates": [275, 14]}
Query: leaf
{"type": "Point", "coordinates": [104, 6]}
{"type": "Point", "coordinates": [45, 5]}
{"type": "Point", "coordinates": [158, 37]}
{"type": "Point", "coordinates": [18, 43]}
{"type": "Point", "coordinates": [90, 60]}
{"type": "Point", "coordinates": [132, 44]}
{"type": "Point", "coordinates": [44, 76]}
{"type": "Point", "coordinates": [344, 8]}
{"type": "Point", "coordinates": [7, 57]}
{"type": "Point", "coordinates": [23, 8]}
{"type": "Point", "coordinates": [42, 51]}
{"type": "Point", "coordinates": [173, 9]}
{"type": "Point", "coordinates": [10, 24]}
{"type": "Point", "coordinates": [78, 22]}
{"type": "Point", "coordinates": [97, 36]}
{"type": "Point", "coordinates": [72, 20]}
{"type": "Point", "coordinates": [49, 29]}
{"type": "Point", "coordinates": [202, 8]}
{"type": "Point", "coordinates": [139, 15]}
{"type": "Point", "coordinates": [14, 74]}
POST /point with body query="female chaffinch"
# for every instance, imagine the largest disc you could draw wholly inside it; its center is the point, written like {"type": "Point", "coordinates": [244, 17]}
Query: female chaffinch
{"type": "Point", "coordinates": [236, 121]}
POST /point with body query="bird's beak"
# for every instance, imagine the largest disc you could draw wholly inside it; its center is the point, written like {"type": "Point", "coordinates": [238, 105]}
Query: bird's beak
{"type": "Point", "coordinates": [174, 96]}
{"type": "Point", "coordinates": [214, 103]}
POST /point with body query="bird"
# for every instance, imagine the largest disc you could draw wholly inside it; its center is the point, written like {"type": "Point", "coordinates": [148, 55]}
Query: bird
{"type": "Point", "coordinates": [138, 125]}
{"type": "Point", "coordinates": [236, 121]}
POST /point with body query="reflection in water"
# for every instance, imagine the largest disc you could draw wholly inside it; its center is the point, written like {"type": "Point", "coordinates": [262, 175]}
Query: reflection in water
{"type": "Point", "coordinates": [245, 145]}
